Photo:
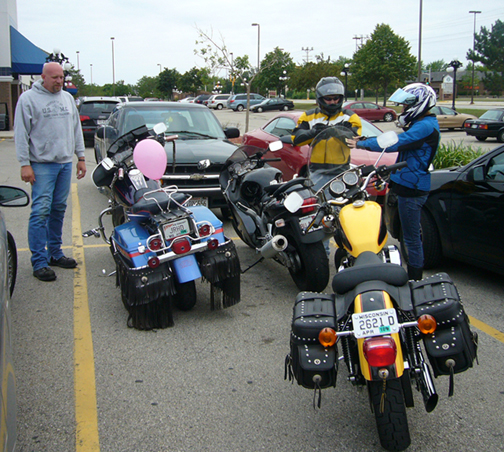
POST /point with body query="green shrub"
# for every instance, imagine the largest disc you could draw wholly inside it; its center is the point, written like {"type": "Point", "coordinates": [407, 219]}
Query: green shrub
{"type": "Point", "coordinates": [455, 154]}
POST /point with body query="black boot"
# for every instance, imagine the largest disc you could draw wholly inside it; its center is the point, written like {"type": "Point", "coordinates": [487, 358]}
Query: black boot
{"type": "Point", "coordinates": [415, 273]}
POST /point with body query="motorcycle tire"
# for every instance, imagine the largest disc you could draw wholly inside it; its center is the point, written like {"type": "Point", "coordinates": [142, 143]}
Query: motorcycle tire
{"type": "Point", "coordinates": [312, 265]}
{"type": "Point", "coordinates": [185, 296]}
{"type": "Point", "coordinates": [391, 419]}
{"type": "Point", "coordinates": [11, 262]}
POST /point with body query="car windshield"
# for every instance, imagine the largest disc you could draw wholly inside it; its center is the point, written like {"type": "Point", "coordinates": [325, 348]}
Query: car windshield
{"type": "Point", "coordinates": [494, 115]}
{"type": "Point", "coordinates": [191, 123]}
{"type": "Point", "coordinates": [90, 108]}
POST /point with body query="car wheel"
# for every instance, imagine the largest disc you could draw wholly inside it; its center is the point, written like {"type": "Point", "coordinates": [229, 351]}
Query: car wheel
{"type": "Point", "coordinates": [430, 242]}
{"type": "Point", "coordinates": [500, 136]}
{"type": "Point", "coordinates": [259, 110]}
{"type": "Point", "coordinates": [481, 138]}
{"type": "Point", "coordinates": [219, 107]}
{"type": "Point", "coordinates": [240, 107]}
{"type": "Point", "coordinates": [285, 108]}
{"type": "Point", "coordinates": [389, 117]}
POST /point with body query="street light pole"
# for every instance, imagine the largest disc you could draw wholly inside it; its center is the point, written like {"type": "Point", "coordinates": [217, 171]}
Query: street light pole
{"type": "Point", "coordinates": [258, 43]}
{"type": "Point", "coordinates": [455, 64]}
{"type": "Point", "coordinates": [344, 72]}
{"type": "Point", "coordinates": [78, 66]}
{"type": "Point", "coordinates": [474, 39]}
{"type": "Point", "coordinates": [91, 69]}
{"type": "Point", "coordinates": [113, 68]}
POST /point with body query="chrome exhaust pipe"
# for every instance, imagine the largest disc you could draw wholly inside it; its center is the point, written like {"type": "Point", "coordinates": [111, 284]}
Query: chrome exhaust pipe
{"type": "Point", "coordinates": [430, 397]}
{"type": "Point", "coordinates": [273, 247]}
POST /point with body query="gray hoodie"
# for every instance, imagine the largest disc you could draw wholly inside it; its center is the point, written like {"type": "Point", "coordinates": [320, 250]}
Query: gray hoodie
{"type": "Point", "coordinates": [47, 127]}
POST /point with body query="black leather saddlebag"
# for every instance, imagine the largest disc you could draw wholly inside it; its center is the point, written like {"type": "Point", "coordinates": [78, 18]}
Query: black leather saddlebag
{"type": "Point", "coordinates": [452, 348]}
{"type": "Point", "coordinates": [312, 312]}
{"type": "Point", "coordinates": [309, 363]}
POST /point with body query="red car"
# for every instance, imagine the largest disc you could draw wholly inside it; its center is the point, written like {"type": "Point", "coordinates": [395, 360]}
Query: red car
{"type": "Point", "coordinates": [295, 159]}
{"type": "Point", "coordinates": [371, 111]}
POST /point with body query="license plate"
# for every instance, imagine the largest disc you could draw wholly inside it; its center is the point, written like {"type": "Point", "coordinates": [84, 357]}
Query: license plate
{"type": "Point", "coordinates": [172, 230]}
{"type": "Point", "coordinates": [304, 222]}
{"type": "Point", "coordinates": [100, 122]}
{"type": "Point", "coordinates": [474, 126]}
{"type": "Point", "coordinates": [197, 202]}
{"type": "Point", "coordinates": [375, 323]}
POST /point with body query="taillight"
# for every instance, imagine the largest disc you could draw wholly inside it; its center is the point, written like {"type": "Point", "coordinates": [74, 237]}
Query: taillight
{"type": "Point", "coordinates": [231, 101]}
{"type": "Point", "coordinates": [155, 243]}
{"type": "Point", "coordinates": [213, 244]}
{"type": "Point", "coordinates": [204, 230]}
{"type": "Point", "coordinates": [153, 262]}
{"type": "Point", "coordinates": [84, 118]}
{"type": "Point", "coordinates": [311, 203]}
{"type": "Point", "coordinates": [181, 246]}
{"type": "Point", "coordinates": [380, 351]}
{"type": "Point", "coordinates": [483, 126]}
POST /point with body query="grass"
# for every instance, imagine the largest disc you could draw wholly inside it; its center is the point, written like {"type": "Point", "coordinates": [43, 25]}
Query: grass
{"type": "Point", "coordinates": [455, 154]}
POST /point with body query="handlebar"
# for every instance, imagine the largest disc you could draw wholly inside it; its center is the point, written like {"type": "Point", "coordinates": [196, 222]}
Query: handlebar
{"type": "Point", "coordinates": [287, 185]}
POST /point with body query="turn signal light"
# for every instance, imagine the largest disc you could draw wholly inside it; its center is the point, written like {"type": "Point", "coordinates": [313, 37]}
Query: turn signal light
{"type": "Point", "coordinates": [204, 230]}
{"type": "Point", "coordinates": [380, 351]}
{"type": "Point", "coordinates": [213, 244]}
{"type": "Point", "coordinates": [427, 324]}
{"type": "Point", "coordinates": [181, 246]}
{"type": "Point", "coordinates": [153, 262]}
{"type": "Point", "coordinates": [327, 337]}
{"type": "Point", "coordinates": [155, 243]}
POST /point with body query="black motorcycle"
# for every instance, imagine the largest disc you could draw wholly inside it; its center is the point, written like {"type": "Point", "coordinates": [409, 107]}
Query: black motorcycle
{"type": "Point", "coordinates": [255, 195]}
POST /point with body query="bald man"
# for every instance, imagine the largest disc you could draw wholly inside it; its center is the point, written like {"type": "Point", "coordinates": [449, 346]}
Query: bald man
{"type": "Point", "coordinates": [47, 133]}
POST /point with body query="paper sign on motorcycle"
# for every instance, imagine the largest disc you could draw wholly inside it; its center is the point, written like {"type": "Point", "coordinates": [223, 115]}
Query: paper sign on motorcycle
{"type": "Point", "coordinates": [375, 323]}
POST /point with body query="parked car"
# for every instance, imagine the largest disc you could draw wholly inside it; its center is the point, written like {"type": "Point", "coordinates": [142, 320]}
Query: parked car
{"type": "Point", "coordinates": [201, 98]}
{"type": "Point", "coordinates": [200, 136]}
{"type": "Point", "coordinates": [489, 124]}
{"type": "Point", "coordinates": [371, 111]}
{"type": "Point", "coordinates": [218, 101]}
{"type": "Point", "coordinates": [189, 99]}
{"type": "Point", "coordinates": [94, 111]}
{"type": "Point", "coordinates": [449, 118]}
{"type": "Point", "coordinates": [130, 98]}
{"type": "Point", "coordinates": [463, 215]}
{"type": "Point", "coordinates": [295, 159]}
{"type": "Point", "coordinates": [277, 103]}
{"type": "Point", "coordinates": [238, 102]}
{"type": "Point", "coordinates": [9, 197]}
{"type": "Point", "coordinates": [4, 116]}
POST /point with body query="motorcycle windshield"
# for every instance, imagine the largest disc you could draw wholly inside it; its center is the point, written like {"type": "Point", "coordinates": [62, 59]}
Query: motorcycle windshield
{"type": "Point", "coordinates": [129, 137]}
{"type": "Point", "coordinates": [329, 154]}
{"type": "Point", "coordinates": [243, 153]}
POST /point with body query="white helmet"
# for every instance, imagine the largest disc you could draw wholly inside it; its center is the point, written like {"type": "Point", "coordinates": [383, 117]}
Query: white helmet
{"type": "Point", "coordinates": [417, 97]}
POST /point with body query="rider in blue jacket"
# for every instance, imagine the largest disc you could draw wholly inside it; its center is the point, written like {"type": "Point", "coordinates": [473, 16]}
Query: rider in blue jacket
{"type": "Point", "coordinates": [417, 146]}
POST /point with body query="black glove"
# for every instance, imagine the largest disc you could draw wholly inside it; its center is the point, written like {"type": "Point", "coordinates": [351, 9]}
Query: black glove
{"type": "Point", "coordinates": [347, 125]}
{"type": "Point", "coordinates": [317, 128]}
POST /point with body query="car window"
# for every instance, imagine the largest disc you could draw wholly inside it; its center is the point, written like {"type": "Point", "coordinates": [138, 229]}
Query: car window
{"type": "Point", "coordinates": [370, 106]}
{"type": "Point", "coordinates": [492, 115]}
{"type": "Point", "coordinates": [96, 108]}
{"type": "Point", "coordinates": [496, 168]}
{"type": "Point", "coordinates": [356, 106]}
{"type": "Point", "coordinates": [280, 127]}
{"type": "Point", "coordinates": [447, 111]}
{"type": "Point", "coordinates": [435, 110]}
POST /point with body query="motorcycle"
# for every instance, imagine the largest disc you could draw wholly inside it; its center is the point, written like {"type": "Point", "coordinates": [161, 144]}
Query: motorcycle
{"type": "Point", "coordinates": [160, 244]}
{"type": "Point", "coordinates": [255, 194]}
{"type": "Point", "coordinates": [384, 323]}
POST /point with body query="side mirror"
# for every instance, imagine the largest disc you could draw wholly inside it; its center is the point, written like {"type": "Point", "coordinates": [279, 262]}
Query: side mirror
{"type": "Point", "coordinates": [476, 174]}
{"type": "Point", "coordinates": [13, 197]}
{"type": "Point", "coordinates": [293, 202]}
{"type": "Point", "coordinates": [107, 163]}
{"type": "Point", "coordinates": [106, 131]}
{"type": "Point", "coordinates": [387, 139]}
{"type": "Point", "coordinates": [160, 128]}
{"type": "Point", "coordinates": [275, 146]}
{"type": "Point", "coordinates": [232, 132]}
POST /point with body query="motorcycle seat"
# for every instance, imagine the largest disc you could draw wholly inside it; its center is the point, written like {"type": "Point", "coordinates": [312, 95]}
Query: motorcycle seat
{"type": "Point", "coordinates": [155, 202]}
{"type": "Point", "coordinates": [368, 267]}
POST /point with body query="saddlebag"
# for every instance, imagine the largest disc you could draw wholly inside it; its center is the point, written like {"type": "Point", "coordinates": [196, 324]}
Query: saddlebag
{"type": "Point", "coordinates": [310, 363]}
{"type": "Point", "coordinates": [452, 348]}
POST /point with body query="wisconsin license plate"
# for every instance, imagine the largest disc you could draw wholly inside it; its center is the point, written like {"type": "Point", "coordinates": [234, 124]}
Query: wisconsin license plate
{"type": "Point", "coordinates": [474, 126]}
{"type": "Point", "coordinates": [375, 323]}
{"type": "Point", "coordinates": [172, 230]}
{"type": "Point", "coordinates": [197, 202]}
{"type": "Point", "coordinates": [304, 222]}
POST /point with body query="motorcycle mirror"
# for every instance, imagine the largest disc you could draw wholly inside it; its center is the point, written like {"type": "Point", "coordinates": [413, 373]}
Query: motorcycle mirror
{"type": "Point", "coordinates": [107, 163]}
{"type": "Point", "coordinates": [387, 139]}
{"type": "Point", "coordinates": [275, 146]}
{"type": "Point", "coordinates": [293, 202]}
{"type": "Point", "coordinates": [160, 128]}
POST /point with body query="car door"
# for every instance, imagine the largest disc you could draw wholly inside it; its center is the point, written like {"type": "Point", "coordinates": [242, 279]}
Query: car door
{"type": "Point", "coordinates": [476, 214]}
{"type": "Point", "coordinates": [371, 111]}
{"type": "Point", "coordinates": [449, 118]}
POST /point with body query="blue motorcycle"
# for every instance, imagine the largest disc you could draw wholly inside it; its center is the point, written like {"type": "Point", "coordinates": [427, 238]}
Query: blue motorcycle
{"type": "Point", "coordinates": [161, 245]}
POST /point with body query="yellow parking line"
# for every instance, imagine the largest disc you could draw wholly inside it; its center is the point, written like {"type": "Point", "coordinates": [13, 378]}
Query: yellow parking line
{"type": "Point", "coordinates": [86, 413]}
{"type": "Point", "coordinates": [487, 329]}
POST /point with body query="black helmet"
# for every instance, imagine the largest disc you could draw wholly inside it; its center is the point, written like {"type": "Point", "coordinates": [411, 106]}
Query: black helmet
{"type": "Point", "coordinates": [330, 86]}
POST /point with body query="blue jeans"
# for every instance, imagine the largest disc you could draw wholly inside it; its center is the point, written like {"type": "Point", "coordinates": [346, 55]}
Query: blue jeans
{"type": "Point", "coordinates": [49, 200]}
{"type": "Point", "coordinates": [409, 213]}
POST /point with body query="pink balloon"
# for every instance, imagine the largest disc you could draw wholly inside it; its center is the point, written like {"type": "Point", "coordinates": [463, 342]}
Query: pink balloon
{"type": "Point", "coordinates": [150, 158]}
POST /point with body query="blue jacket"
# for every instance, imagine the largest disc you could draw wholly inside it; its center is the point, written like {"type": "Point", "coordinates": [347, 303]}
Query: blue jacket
{"type": "Point", "coordinates": [417, 146]}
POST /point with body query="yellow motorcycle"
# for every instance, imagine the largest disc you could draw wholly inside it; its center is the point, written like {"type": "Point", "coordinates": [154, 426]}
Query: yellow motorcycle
{"type": "Point", "coordinates": [383, 323]}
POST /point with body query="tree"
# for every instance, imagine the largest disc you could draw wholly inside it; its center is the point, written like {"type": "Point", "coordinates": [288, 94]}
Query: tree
{"type": "Point", "coordinates": [436, 66]}
{"type": "Point", "coordinates": [191, 81]}
{"type": "Point", "coordinates": [489, 50]}
{"type": "Point", "coordinates": [148, 87]}
{"type": "Point", "coordinates": [384, 60]}
{"type": "Point", "coordinates": [274, 64]}
{"type": "Point", "coordinates": [167, 82]}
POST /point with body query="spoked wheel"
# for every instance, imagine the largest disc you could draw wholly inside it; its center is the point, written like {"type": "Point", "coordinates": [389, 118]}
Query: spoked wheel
{"type": "Point", "coordinates": [185, 298]}
{"type": "Point", "coordinates": [311, 266]}
{"type": "Point", "coordinates": [11, 261]}
{"type": "Point", "coordinates": [388, 405]}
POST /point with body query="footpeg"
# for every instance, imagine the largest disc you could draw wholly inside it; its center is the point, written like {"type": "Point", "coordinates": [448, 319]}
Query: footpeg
{"type": "Point", "coordinates": [91, 232]}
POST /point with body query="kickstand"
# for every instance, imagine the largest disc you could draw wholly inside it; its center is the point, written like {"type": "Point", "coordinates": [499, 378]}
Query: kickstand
{"type": "Point", "coordinates": [253, 265]}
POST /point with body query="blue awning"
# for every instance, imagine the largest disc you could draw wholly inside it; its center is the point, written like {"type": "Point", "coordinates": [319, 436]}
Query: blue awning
{"type": "Point", "coordinates": [26, 57]}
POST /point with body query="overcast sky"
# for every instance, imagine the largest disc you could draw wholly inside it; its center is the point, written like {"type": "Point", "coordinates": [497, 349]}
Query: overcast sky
{"type": "Point", "coordinates": [149, 33]}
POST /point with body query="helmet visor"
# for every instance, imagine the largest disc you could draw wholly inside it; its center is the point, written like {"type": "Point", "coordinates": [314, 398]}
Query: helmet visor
{"type": "Point", "coordinates": [330, 89]}
{"type": "Point", "coordinates": [402, 97]}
